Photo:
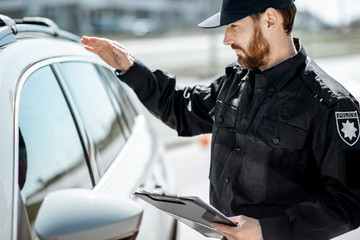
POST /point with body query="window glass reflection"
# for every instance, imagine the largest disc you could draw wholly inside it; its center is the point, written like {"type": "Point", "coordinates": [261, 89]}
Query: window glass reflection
{"type": "Point", "coordinates": [49, 142]}
{"type": "Point", "coordinates": [96, 109]}
{"type": "Point", "coordinates": [127, 111]}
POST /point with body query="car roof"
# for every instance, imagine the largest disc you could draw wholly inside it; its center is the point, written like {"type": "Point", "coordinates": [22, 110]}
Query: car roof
{"type": "Point", "coordinates": [27, 41]}
{"type": "Point", "coordinates": [10, 28]}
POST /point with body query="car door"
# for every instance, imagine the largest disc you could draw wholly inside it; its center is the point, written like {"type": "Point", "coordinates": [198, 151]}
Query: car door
{"type": "Point", "coordinates": [98, 113]}
{"type": "Point", "coordinates": [122, 144]}
{"type": "Point", "coordinates": [51, 152]}
{"type": "Point", "coordinates": [78, 128]}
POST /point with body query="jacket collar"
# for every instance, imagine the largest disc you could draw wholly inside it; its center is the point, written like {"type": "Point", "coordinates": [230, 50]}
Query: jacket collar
{"type": "Point", "coordinates": [285, 71]}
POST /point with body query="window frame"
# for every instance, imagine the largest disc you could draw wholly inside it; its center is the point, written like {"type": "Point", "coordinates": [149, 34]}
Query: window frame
{"type": "Point", "coordinates": [59, 171]}
{"type": "Point", "coordinates": [85, 142]}
{"type": "Point", "coordinates": [89, 146]}
{"type": "Point", "coordinates": [124, 102]}
{"type": "Point", "coordinates": [72, 108]}
{"type": "Point", "coordinates": [92, 151]}
{"type": "Point", "coordinates": [26, 73]}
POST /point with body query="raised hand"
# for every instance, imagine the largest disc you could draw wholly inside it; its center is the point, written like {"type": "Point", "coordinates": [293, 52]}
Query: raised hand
{"type": "Point", "coordinates": [110, 51]}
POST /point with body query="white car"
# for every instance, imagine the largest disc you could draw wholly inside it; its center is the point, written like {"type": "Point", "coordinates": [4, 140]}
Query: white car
{"type": "Point", "coordinates": [74, 135]}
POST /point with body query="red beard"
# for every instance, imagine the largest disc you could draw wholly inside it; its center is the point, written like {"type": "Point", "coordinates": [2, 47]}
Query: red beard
{"type": "Point", "coordinates": [258, 51]}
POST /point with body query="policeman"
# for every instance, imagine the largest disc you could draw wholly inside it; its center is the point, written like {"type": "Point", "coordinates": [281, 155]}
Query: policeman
{"type": "Point", "coordinates": [285, 151]}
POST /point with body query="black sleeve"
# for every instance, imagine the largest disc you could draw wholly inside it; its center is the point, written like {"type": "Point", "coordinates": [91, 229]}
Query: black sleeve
{"type": "Point", "coordinates": [336, 147]}
{"type": "Point", "coordinates": [184, 109]}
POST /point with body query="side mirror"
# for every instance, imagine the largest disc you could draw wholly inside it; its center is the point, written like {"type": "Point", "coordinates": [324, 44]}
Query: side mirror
{"type": "Point", "coordinates": [77, 214]}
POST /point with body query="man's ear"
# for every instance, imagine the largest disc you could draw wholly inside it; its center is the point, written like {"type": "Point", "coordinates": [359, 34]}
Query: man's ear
{"type": "Point", "coordinates": [272, 19]}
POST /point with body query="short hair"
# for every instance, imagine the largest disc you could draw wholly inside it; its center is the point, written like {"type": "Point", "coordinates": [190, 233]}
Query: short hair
{"type": "Point", "coordinates": [288, 14]}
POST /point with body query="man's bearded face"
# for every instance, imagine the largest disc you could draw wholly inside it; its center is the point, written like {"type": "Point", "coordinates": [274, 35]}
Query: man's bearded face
{"type": "Point", "coordinates": [257, 52]}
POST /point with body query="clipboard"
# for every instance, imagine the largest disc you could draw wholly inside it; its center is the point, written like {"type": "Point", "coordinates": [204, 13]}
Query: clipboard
{"type": "Point", "coordinates": [190, 210]}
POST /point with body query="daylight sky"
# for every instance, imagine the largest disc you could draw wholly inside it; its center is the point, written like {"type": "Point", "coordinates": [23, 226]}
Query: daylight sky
{"type": "Point", "coordinates": [332, 11]}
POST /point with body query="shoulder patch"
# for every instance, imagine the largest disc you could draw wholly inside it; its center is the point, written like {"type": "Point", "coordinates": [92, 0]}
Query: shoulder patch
{"type": "Point", "coordinates": [347, 124]}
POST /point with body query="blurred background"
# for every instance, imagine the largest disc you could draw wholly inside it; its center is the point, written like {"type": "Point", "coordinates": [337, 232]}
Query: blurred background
{"type": "Point", "coordinates": [326, 28]}
{"type": "Point", "coordinates": [141, 17]}
{"type": "Point", "coordinates": [164, 35]}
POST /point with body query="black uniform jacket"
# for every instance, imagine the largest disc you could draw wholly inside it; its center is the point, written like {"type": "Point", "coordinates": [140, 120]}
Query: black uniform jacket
{"type": "Point", "coordinates": [285, 143]}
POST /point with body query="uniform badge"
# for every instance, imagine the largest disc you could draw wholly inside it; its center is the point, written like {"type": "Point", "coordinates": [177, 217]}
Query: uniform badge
{"type": "Point", "coordinates": [347, 124]}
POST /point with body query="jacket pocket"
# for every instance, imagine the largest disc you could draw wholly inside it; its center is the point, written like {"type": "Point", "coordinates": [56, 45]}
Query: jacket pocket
{"type": "Point", "coordinates": [224, 116]}
{"type": "Point", "coordinates": [280, 135]}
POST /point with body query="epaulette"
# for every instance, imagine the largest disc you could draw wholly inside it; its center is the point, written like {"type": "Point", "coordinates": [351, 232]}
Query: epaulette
{"type": "Point", "coordinates": [327, 88]}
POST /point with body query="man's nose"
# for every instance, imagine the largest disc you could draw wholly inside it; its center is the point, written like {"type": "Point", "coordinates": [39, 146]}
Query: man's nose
{"type": "Point", "coordinates": [228, 39]}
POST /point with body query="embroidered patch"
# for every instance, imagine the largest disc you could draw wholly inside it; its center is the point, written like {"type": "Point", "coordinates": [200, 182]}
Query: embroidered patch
{"type": "Point", "coordinates": [347, 124]}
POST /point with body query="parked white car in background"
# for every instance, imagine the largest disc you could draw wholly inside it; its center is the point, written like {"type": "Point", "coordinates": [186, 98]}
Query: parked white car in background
{"type": "Point", "coordinates": [72, 134]}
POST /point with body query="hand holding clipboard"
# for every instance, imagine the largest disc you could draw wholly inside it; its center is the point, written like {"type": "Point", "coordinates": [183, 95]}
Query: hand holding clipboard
{"type": "Point", "coordinates": [190, 210]}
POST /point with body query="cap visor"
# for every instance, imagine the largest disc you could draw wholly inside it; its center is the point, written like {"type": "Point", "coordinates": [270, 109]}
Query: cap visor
{"type": "Point", "coordinates": [211, 22]}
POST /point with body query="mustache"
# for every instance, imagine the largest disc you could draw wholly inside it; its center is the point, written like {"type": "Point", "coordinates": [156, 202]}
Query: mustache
{"type": "Point", "coordinates": [236, 47]}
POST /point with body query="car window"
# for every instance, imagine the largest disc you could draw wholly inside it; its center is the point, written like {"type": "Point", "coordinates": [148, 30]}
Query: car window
{"type": "Point", "coordinates": [128, 112]}
{"type": "Point", "coordinates": [51, 156]}
{"type": "Point", "coordinates": [96, 109]}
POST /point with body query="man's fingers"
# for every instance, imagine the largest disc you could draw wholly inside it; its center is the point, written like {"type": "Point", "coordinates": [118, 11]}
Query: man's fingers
{"type": "Point", "coordinates": [110, 51]}
{"type": "Point", "coordinates": [223, 228]}
{"type": "Point", "coordinates": [86, 40]}
{"type": "Point", "coordinates": [91, 49]}
{"type": "Point", "coordinates": [97, 45]}
{"type": "Point", "coordinates": [94, 41]}
{"type": "Point", "coordinates": [89, 43]}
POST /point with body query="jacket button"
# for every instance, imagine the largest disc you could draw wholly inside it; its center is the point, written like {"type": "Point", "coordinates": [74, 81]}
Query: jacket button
{"type": "Point", "coordinates": [238, 150]}
{"type": "Point", "coordinates": [227, 180]}
{"type": "Point", "coordinates": [306, 72]}
{"type": "Point", "coordinates": [259, 90]}
{"type": "Point", "coordinates": [220, 119]}
{"type": "Point", "coordinates": [244, 121]}
{"type": "Point", "coordinates": [276, 141]}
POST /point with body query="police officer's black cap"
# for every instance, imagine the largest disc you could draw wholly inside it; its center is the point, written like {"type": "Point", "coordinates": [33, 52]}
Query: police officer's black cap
{"type": "Point", "coordinates": [234, 10]}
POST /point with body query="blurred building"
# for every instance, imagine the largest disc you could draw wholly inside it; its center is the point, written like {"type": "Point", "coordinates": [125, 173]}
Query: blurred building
{"type": "Point", "coordinates": [307, 21]}
{"type": "Point", "coordinates": [355, 24]}
{"type": "Point", "coordinates": [130, 16]}
{"type": "Point", "coordinates": [137, 17]}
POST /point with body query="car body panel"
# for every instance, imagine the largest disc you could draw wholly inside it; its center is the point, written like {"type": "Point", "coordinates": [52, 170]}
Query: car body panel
{"type": "Point", "coordinates": [12, 75]}
{"type": "Point", "coordinates": [20, 59]}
